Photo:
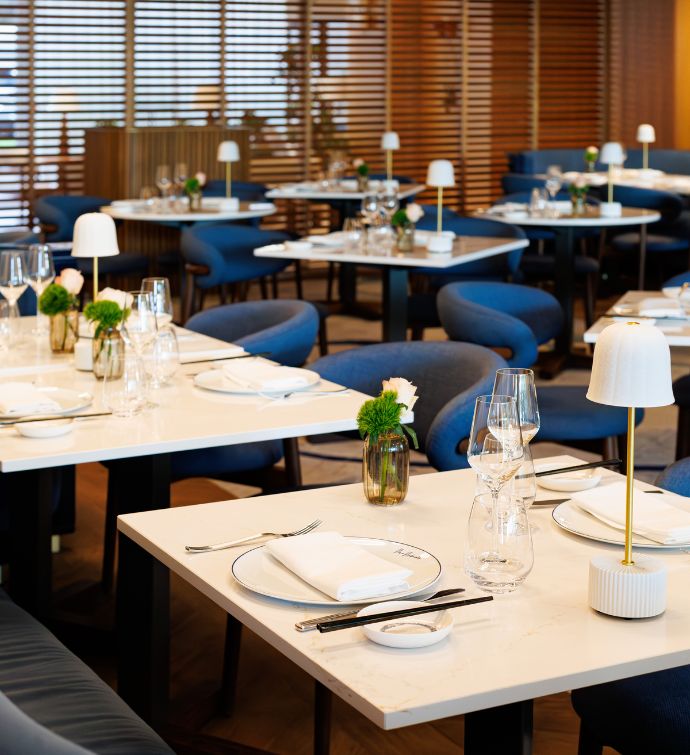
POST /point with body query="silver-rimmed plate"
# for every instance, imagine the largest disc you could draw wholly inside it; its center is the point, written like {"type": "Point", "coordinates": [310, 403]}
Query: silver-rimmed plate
{"type": "Point", "coordinates": [68, 400]}
{"type": "Point", "coordinates": [259, 572]}
{"type": "Point", "coordinates": [570, 517]}
{"type": "Point", "coordinates": [216, 380]}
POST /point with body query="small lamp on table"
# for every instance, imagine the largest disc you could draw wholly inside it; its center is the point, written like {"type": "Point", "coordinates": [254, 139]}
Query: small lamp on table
{"type": "Point", "coordinates": [440, 174]}
{"type": "Point", "coordinates": [646, 136]}
{"type": "Point", "coordinates": [390, 141]}
{"type": "Point", "coordinates": [631, 368]}
{"type": "Point", "coordinates": [95, 236]}
{"type": "Point", "coordinates": [229, 153]}
{"type": "Point", "coordinates": [612, 155]}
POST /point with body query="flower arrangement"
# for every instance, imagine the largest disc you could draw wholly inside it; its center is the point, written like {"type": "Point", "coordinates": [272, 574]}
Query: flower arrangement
{"type": "Point", "coordinates": [578, 188]}
{"type": "Point", "coordinates": [62, 295]}
{"type": "Point", "coordinates": [195, 184]}
{"type": "Point", "coordinates": [591, 155]}
{"type": "Point", "coordinates": [381, 415]}
{"type": "Point", "coordinates": [407, 215]}
{"type": "Point", "coordinates": [108, 314]}
{"type": "Point", "coordinates": [361, 167]}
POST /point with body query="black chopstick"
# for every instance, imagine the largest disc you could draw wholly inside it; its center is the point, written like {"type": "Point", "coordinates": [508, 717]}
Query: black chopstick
{"type": "Point", "coordinates": [21, 421]}
{"type": "Point", "coordinates": [222, 359]}
{"type": "Point", "coordinates": [591, 465]}
{"type": "Point", "coordinates": [374, 618]}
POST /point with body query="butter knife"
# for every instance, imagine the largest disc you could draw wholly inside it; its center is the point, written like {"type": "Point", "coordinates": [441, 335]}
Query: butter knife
{"type": "Point", "coordinates": [309, 624]}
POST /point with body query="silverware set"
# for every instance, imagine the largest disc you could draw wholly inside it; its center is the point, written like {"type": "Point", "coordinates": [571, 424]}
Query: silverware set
{"type": "Point", "coordinates": [257, 536]}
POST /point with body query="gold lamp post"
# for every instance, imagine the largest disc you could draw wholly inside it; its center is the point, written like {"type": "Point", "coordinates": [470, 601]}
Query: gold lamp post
{"type": "Point", "coordinates": [440, 174]}
{"type": "Point", "coordinates": [646, 136]}
{"type": "Point", "coordinates": [228, 153]}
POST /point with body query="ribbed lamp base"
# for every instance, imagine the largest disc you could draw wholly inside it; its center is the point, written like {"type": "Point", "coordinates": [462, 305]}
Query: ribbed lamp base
{"type": "Point", "coordinates": [439, 243]}
{"type": "Point", "coordinates": [636, 591]}
{"type": "Point", "coordinates": [610, 209]}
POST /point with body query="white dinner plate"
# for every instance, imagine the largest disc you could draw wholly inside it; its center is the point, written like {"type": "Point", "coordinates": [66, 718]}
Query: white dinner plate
{"type": "Point", "coordinates": [570, 517]}
{"type": "Point", "coordinates": [69, 401]}
{"type": "Point", "coordinates": [259, 572]}
{"type": "Point", "coordinates": [568, 482]}
{"type": "Point", "coordinates": [409, 632]}
{"type": "Point", "coordinates": [215, 380]}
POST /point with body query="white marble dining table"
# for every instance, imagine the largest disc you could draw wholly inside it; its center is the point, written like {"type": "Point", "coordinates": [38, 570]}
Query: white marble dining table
{"type": "Point", "coordinates": [185, 418]}
{"type": "Point", "coordinates": [539, 640]}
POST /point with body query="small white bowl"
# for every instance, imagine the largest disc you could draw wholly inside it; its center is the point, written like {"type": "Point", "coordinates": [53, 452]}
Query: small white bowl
{"type": "Point", "coordinates": [297, 246]}
{"type": "Point", "coordinates": [49, 429]}
{"type": "Point", "coordinates": [409, 632]}
{"type": "Point", "coordinates": [568, 482]}
{"type": "Point", "coordinates": [515, 215]}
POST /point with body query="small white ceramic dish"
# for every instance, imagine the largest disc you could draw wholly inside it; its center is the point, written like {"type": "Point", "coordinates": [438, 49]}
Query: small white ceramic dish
{"type": "Point", "coordinates": [298, 246]}
{"type": "Point", "coordinates": [515, 215]}
{"type": "Point", "coordinates": [568, 482]}
{"type": "Point", "coordinates": [408, 632]}
{"type": "Point", "coordinates": [49, 429]}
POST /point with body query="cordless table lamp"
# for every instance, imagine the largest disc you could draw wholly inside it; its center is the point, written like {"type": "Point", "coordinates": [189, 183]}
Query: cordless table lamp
{"type": "Point", "coordinates": [646, 136]}
{"type": "Point", "coordinates": [229, 153]}
{"type": "Point", "coordinates": [440, 174]}
{"type": "Point", "coordinates": [631, 368]}
{"type": "Point", "coordinates": [611, 154]}
{"type": "Point", "coordinates": [95, 236]}
{"type": "Point", "coordinates": [390, 141]}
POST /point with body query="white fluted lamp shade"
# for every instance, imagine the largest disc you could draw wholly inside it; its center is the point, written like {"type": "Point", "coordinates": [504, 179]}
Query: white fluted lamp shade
{"type": "Point", "coordinates": [94, 236]}
{"type": "Point", "coordinates": [632, 367]}
{"type": "Point", "coordinates": [228, 152]}
{"type": "Point", "coordinates": [390, 140]}
{"type": "Point", "coordinates": [440, 173]}
{"type": "Point", "coordinates": [646, 133]}
{"type": "Point", "coordinates": [207, 96]}
{"type": "Point", "coordinates": [612, 154]}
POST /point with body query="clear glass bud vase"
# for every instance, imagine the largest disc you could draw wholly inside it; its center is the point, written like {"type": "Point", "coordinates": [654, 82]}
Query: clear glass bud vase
{"type": "Point", "coordinates": [64, 331]}
{"type": "Point", "coordinates": [386, 469]}
{"type": "Point", "coordinates": [108, 354]}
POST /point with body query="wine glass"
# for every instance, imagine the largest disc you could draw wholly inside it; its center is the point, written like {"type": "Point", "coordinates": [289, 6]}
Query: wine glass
{"type": "Point", "coordinates": [181, 175]}
{"type": "Point", "coordinates": [13, 283]}
{"type": "Point", "coordinates": [354, 235]}
{"type": "Point", "coordinates": [389, 204]}
{"type": "Point", "coordinates": [159, 288]}
{"type": "Point", "coordinates": [40, 272]}
{"type": "Point", "coordinates": [162, 360]}
{"type": "Point", "coordinates": [519, 383]}
{"type": "Point", "coordinates": [140, 328]}
{"type": "Point", "coordinates": [554, 181]}
{"type": "Point", "coordinates": [370, 207]}
{"type": "Point", "coordinates": [163, 179]}
{"type": "Point", "coordinates": [4, 326]}
{"type": "Point", "coordinates": [125, 395]}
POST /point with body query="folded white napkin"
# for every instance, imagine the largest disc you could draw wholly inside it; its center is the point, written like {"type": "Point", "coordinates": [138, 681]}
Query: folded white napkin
{"type": "Point", "coordinates": [261, 205]}
{"type": "Point", "coordinates": [660, 306]}
{"type": "Point", "coordinates": [562, 205]}
{"type": "Point", "coordinates": [337, 238]}
{"type": "Point", "coordinates": [338, 567]}
{"type": "Point", "coordinates": [657, 517]}
{"type": "Point", "coordinates": [263, 376]}
{"type": "Point", "coordinates": [501, 209]}
{"type": "Point", "coordinates": [23, 398]}
{"type": "Point", "coordinates": [348, 184]}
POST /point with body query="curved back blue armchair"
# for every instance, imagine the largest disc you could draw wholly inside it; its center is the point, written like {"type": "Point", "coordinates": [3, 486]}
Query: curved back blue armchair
{"type": "Point", "coordinates": [512, 183]}
{"type": "Point", "coordinates": [61, 212]}
{"type": "Point", "coordinates": [285, 328]}
{"type": "Point", "coordinates": [449, 377]}
{"type": "Point", "coordinates": [245, 191]}
{"type": "Point", "coordinates": [224, 253]}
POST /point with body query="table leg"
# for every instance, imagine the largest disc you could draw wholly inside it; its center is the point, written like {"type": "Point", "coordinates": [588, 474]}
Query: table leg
{"type": "Point", "coordinates": [323, 703]}
{"type": "Point", "coordinates": [506, 729]}
{"type": "Point", "coordinates": [231, 665]}
{"type": "Point", "coordinates": [31, 512]}
{"type": "Point", "coordinates": [395, 297]}
{"type": "Point", "coordinates": [643, 256]}
{"type": "Point", "coordinates": [564, 275]}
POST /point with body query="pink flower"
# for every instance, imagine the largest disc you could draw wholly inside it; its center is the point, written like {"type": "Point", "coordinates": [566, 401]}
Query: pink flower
{"type": "Point", "coordinates": [201, 178]}
{"type": "Point", "coordinates": [357, 162]}
{"type": "Point", "coordinates": [71, 280]}
{"type": "Point", "coordinates": [404, 389]}
{"type": "Point", "coordinates": [414, 212]}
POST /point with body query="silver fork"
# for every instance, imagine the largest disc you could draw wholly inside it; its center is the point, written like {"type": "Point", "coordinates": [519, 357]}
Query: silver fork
{"type": "Point", "coordinates": [283, 396]}
{"type": "Point", "coordinates": [232, 543]}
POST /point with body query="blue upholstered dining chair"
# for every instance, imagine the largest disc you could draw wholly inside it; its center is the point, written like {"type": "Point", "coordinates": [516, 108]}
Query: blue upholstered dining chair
{"type": "Point", "coordinates": [287, 330]}
{"type": "Point", "coordinates": [643, 714]}
{"type": "Point", "coordinates": [449, 377]}
{"type": "Point", "coordinates": [58, 213]}
{"type": "Point", "coordinates": [245, 191]}
{"type": "Point", "coordinates": [518, 319]}
{"type": "Point", "coordinates": [514, 183]}
{"type": "Point", "coordinates": [216, 255]}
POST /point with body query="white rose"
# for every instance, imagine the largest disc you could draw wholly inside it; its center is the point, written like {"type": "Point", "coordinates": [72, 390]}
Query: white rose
{"type": "Point", "coordinates": [121, 298]}
{"type": "Point", "coordinates": [414, 212]}
{"type": "Point", "coordinates": [357, 162]}
{"type": "Point", "coordinates": [580, 182]}
{"type": "Point", "coordinates": [405, 390]}
{"type": "Point", "coordinates": [592, 150]}
{"type": "Point", "coordinates": [201, 178]}
{"type": "Point", "coordinates": [72, 280]}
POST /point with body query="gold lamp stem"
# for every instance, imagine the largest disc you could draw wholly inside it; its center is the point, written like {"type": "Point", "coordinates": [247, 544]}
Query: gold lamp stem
{"type": "Point", "coordinates": [439, 225]}
{"type": "Point", "coordinates": [389, 164]}
{"type": "Point", "coordinates": [95, 278]}
{"type": "Point", "coordinates": [228, 180]}
{"type": "Point", "coordinates": [610, 182]}
{"type": "Point", "coordinates": [628, 560]}
{"type": "Point", "coordinates": [645, 155]}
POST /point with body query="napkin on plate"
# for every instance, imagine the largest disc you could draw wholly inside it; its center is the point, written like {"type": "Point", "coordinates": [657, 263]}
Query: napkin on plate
{"type": "Point", "coordinates": [263, 376]}
{"type": "Point", "coordinates": [659, 307]}
{"type": "Point", "coordinates": [261, 205]}
{"type": "Point", "coordinates": [654, 516]}
{"type": "Point", "coordinates": [337, 238]}
{"type": "Point", "coordinates": [502, 209]}
{"type": "Point", "coordinates": [338, 567]}
{"type": "Point", "coordinates": [23, 398]}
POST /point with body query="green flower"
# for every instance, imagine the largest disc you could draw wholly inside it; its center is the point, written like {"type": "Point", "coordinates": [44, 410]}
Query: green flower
{"type": "Point", "coordinates": [108, 314]}
{"type": "Point", "coordinates": [56, 299]}
{"type": "Point", "coordinates": [381, 415]}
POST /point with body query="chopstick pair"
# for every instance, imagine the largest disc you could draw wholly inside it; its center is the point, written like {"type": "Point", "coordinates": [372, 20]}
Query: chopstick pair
{"type": "Point", "coordinates": [591, 465]}
{"type": "Point", "coordinates": [22, 421]}
{"type": "Point", "coordinates": [374, 618]}
{"type": "Point", "coordinates": [223, 359]}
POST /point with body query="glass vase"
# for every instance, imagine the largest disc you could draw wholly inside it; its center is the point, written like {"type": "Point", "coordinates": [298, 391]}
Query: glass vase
{"type": "Point", "coordinates": [362, 182]}
{"type": "Point", "coordinates": [578, 205]}
{"type": "Point", "coordinates": [108, 351]}
{"type": "Point", "coordinates": [64, 331]}
{"type": "Point", "coordinates": [386, 469]}
{"type": "Point", "coordinates": [195, 201]}
{"type": "Point", "coordinates": [405, 241]}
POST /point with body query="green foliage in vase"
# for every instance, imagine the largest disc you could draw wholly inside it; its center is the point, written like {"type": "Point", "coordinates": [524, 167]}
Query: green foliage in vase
{"type": "Point", "coordinates": [381, 415]}
{"type": "Point", "coordinates": [400, 218]}
{"type": "Point", "coordinates": [56, 299]}
{"type": "Point", "coordinates": [363, 169]}
{"type": "Point", "coordinates": [192, 185]}
{"type": "Point", "coordinates": [108, 314]}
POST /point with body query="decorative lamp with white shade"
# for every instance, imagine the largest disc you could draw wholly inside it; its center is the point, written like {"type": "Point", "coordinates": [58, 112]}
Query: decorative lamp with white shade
{"type": "Point", "coordinates": [229, 153]}
{"type": "Point", "coordinates": [95, 236]}
{"type": "Point", "coordinates": [390, 141]}
{"type": "Point", "coordinates": [631, 368]}
{"type": "Point", "coordinates": [646, 136]}
{"type": "Point", "coordinates": [207, 97]}
{"type": "Point", "coordinates": [440, 174]}
{"type": "Point", "coordinates": [611, 154]}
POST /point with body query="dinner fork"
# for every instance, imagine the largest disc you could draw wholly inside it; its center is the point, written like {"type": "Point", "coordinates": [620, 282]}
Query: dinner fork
{"type": "Point", "coordinates": [283, 396]}
{"type": "Point", "coordinates": [232, 543]}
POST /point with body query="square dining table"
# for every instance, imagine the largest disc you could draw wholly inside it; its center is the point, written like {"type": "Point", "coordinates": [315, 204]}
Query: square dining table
{"type": "Point", "coordinates": [140, 447]}
{"type": "Point", "coordinates": [396, 266]}
{"type": "Point", "coordinates": [539, 640]}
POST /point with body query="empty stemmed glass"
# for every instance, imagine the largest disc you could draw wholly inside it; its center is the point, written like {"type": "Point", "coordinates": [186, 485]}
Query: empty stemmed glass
{"type": "Point", "coordinates": [498, 555]}
{"type": "Point", "coordinates": [13, 283]}
{"type": "Point", "coordinates": [389, 205]}
{"type": "Point", "coordinates": [159, 288]}
{"type": "Point", "coordinates": [140, 328]}
{"type": "Point", "coordinates": [40, 272]}
{"type": "Point", "coordinates": [519, 383]}
{"type": "Point", "coordinates": [554, 181]}
{"type": "Point", "coordinates": [164, 183]}
{"type": "Point", "coordinates": [370, 208]}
